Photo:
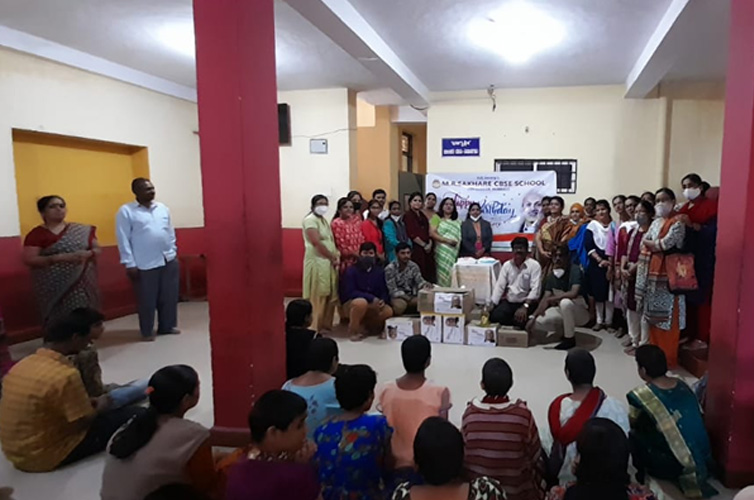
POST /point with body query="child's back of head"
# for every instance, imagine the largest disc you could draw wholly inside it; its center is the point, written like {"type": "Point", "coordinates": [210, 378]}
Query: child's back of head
{"type": "Point", "coordinates": [416, 352]}
{"type": "Point", "coordinates": [278, 421]}
{"type": "Point", "coordinates": [497, 377]}
{"type": "Point", "coordinates": [354, 388]}
{"type": "Point", "coordinates": [298, 314]}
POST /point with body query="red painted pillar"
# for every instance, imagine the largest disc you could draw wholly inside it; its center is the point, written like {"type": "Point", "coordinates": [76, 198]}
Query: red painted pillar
{"type": "Point", "coordinates": [730, 396]}
{"type": "Point", "coordinates": [238, 130]}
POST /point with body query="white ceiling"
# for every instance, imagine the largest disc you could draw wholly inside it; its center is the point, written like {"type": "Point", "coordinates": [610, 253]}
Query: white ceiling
{"type": "Point", "coordinates": [125, 32]}
{"type": "Point", "coordinates": [603, 40]}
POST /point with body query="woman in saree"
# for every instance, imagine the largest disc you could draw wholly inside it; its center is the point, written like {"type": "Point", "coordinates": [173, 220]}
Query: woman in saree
{"type": "Point", "coordinates": [446, 232]}
{"type": "Point", "coordinates": [554, 231]}
{"type": "Point", "coordinates": [577, 219]}
{"type": "Point", "coordinates": [638, 330]}
{"type": "Point", "coordinates": [701, 232]}
{"type": "Point", "coordinates": [668, 435]}
{"type": "Point", "coordinates": [321, 261]}
{"type": "Point", "coordinates": [417, 228]}
{"type": "Point", "coordinates": [62, 257]}
{"type": "Point", "coordinates": [346, 230]}
{"type": "Point", "coordinates": [662, 309]}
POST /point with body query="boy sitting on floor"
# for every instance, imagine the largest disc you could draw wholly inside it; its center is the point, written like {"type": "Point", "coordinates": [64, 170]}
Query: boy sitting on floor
{"type": "Point", "coordinates": [90, 322]}
{"type": "Point", "coordinates": [502, 441]}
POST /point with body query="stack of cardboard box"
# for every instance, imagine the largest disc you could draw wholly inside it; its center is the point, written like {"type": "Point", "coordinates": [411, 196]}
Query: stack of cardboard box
{"type": "Point", "coordinates": [444, 314]}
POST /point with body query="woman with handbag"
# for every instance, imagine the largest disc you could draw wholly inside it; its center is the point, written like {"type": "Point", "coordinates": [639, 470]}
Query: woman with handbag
{"type": "Point", "coordinates": [664, 310]}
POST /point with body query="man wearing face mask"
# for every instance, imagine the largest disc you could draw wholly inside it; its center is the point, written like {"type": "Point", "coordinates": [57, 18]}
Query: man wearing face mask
{"type": "Point", "coordinates": [476, 234]}
{"type": "Point", "coordinates": [518, 286]}
{"type": "Point", "coordinates": [364, 295]}
{"type": "Point", "coordinates": [562, 307]}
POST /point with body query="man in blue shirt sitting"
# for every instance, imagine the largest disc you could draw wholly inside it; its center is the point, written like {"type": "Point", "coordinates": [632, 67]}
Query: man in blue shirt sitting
{"type": "Point", "coordinates": [364, 294]}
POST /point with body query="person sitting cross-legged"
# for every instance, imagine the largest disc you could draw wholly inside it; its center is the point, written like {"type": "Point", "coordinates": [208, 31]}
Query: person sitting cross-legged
{"type": "Point", "coordinates": [501, 437]}
{"type": "Point", "coordinates": [518, 287]}
{"type": "Point", "coordinates": [668, 437]}
{"type": "Point", "coordinates": [46, 417]}
{"type": "Point", "coordinates": [364, 294]}
{"type": "Point", "coordinates": [563, 306]}
{"type": "Point", "coordinates": [569, 413]}
{"type": "Point", "coordinates": [353, 449]}
{"type": "Point", "coordinates": [91, 323]}
{"type": "Point", "coordinates": [602, 468]}
{"type": "Point", "coordinates": [404, 280]}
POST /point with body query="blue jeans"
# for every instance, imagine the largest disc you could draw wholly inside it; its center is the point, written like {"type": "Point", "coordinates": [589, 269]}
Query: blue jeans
{"type": "Point", "coordinates": [128, 394]}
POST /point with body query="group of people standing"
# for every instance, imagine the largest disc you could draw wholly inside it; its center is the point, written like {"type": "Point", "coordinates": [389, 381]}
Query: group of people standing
{"type": "Point", "coordinates": [435, 239]}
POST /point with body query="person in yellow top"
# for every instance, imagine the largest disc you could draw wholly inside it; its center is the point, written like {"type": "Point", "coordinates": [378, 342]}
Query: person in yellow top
{"type": "Point", "coordinates": [46, 417]}
{"type": "Point", "coordinates": [321, 261]}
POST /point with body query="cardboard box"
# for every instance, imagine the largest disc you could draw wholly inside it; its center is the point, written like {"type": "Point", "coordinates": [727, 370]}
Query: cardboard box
{"type": "Point", "coordinates": [453, 329]}
{"type": "Point", "coordinates": [509, 337]}
{"type": "Point", "coordinates": [446, 301]}
{"type": "Point", "coordinates": [484, 336]}
{"type": "Point", "coordinates": [431, 327]}
{"type": "Point", "coordinates": [401, 328]}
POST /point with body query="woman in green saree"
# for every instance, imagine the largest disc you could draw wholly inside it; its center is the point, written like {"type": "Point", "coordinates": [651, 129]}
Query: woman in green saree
{"type": "Point", "coordinates": [446, 231]}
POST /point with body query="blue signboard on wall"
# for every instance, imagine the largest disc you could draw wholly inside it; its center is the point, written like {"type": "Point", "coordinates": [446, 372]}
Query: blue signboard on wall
{"type": "Point", "coordinates": [460, 147]}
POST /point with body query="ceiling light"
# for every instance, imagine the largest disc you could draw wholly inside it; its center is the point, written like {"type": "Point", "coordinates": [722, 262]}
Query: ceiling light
{"type": "Point", "coordinates": [517, 32]}
{"type": "Point", "coordinates": [179, 37]}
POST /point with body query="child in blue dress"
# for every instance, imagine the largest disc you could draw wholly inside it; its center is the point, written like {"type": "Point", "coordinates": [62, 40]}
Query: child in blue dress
{"type": "Point", "coordinates": [353, 449]}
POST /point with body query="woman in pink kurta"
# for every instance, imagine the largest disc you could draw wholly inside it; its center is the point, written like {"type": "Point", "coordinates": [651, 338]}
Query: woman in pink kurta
{"type": "Point", "coordinates": [347, 232]}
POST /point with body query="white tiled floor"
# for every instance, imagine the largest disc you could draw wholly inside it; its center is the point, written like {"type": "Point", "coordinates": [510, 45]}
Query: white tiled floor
{"type": "Point", "coordinates": [538, 375]}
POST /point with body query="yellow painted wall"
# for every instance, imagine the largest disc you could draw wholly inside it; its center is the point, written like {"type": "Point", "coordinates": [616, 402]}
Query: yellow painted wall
{"type": "Point", "coordinates": [93, 177]}
{"type": "Point", "coordinates": [378, 151]}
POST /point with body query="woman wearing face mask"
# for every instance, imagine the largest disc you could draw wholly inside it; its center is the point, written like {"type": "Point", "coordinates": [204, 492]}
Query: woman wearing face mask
{"type": "Point", "coordinates": [664, 311]}
{"type": "Point", "coordinates": [430, 201]}
{"type": "Point", "coordinates": [476, 234]}
{"type": "Point", "coordinates": [598, 272]}
{"type": "Point", "coordinates": [321, 261]}
{"type": "Point", "coordinates": [700, 216]}
{"type": "Point", "coordinates": [638, 330]}
{"type": "Point", "coordinates": [372, 228]}
{"type": "Point", "coordinates": [346, 230]}
{"type": "Point", "coordinates": [358, 202]}
{"type": "Point", "coordinates": [394, 230]}
{"type": "Point", "coordinates": [417, 228]}
{"type": "Point", "coordinates": [554, 231]}
{"type": "Point", "coordinates": [447, 236]}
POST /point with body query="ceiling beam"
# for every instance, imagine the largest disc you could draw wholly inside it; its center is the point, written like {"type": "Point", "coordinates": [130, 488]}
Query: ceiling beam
{"type": "Point", "coordinates": [46, 49]}
{"type": "Point", "coordinates": [683, 23]}
{"type": "Point", "coordinates": [344, 25]}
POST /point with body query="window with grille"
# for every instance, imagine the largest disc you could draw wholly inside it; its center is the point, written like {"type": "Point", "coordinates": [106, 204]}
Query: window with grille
{"type": "Point", "coordinates": [565, 170]}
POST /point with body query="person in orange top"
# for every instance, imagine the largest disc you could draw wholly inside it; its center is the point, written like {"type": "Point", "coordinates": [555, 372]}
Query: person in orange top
{"type": "Point", "coordinates": [372, 227]}
{"type": "Point", "coordinates": [700, 215]}
{"type": "Point", "coordinates": [160, 446]}
{"type": "Point", "coordinates": [346, 230]}
{"type": "Point", "coordinates": [46, 417]}
{"type": "Point", "coordinates": [408, 401]}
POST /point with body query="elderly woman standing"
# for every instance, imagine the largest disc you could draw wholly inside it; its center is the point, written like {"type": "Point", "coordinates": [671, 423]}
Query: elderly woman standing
{"type": "Point", "coordinates": [321, 261]}
{"type": "Point", "coordinates": [662, 309]}
{"type": "Point", "coordinates": [62, 257]}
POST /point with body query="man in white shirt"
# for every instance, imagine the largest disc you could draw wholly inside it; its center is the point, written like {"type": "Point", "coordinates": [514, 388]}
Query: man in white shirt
{"type": "Point", "coordinates": [381, 196]}
{"type": "Point", "coordinates": [147, 245]}
{"type": "Point", "coordinates": [518, 285]}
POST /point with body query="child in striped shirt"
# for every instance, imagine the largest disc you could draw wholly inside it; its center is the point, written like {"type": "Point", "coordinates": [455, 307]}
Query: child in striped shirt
{"type": "Point", "coordinates": [502, 441]}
